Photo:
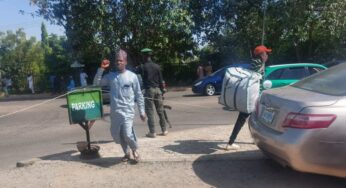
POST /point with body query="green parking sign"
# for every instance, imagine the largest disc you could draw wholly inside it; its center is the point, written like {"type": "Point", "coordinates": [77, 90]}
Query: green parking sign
{"type": "Point", "coordinates": [84, 105]}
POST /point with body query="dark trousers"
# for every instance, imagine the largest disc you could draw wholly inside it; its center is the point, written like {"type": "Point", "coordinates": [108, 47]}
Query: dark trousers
{"type": "Point", "coordinates": [153, 98]}
{"type": "Point", "coordinates": [238, 125]}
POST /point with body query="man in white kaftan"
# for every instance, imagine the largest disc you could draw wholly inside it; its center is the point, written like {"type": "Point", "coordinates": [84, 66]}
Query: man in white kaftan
{"type": "Point", "coordinates": [31, 83]}
{"type": "Point", "coordinates": [83, 78]}
{"type": "Point", "coordinates": [124, 92]}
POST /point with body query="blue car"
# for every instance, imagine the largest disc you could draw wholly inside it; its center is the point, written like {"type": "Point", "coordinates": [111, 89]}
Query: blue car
{"type": "Point", "coordinates": [212, 84]}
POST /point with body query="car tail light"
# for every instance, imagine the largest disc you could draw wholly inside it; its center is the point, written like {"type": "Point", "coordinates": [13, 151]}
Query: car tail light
{"type": "Point", "coordinates": [308, 121]}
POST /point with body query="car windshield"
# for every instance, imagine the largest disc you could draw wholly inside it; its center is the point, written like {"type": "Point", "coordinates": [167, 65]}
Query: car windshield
{"type": "Point", "coordinates": [222, 70]}
{"type": "Point", "coordinates": [217, 72]}
{"type": "Point", "coordinates": [330, 82]}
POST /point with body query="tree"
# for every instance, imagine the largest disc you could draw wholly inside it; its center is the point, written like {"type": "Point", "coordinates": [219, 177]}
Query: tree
{"type": "Point", "coordinates": [297, 30]}
{"type": "Point", "coordinates": [58, 59]}
{"type": "Point", "coordinates": [44, 36]}
{"type": "Point", "coordinates": [20, 57]}
{"type": "Point", "coordinates": [95, 28]}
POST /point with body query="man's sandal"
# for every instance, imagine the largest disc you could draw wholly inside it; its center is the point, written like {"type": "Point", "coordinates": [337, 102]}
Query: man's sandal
{"type": "Point", "coordinates": [136, 156]}
{"type": "Point", "coordinates": [126, 158]}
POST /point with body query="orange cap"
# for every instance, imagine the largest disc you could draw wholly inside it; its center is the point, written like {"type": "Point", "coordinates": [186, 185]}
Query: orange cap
{"type": "Point", "coordinates": [260, 49]}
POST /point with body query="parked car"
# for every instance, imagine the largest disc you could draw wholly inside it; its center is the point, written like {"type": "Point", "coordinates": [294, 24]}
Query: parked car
{"type": "Point", "coordinates": [275, 76]}
{"type": "Point", "coordinates": [286, 74]}
{"type": "Point", "coordinates": [212, 84]}
{"type": "Point", "coordinates": [303, 125]}
{"type": "Point", "coordinates": [105, 94]}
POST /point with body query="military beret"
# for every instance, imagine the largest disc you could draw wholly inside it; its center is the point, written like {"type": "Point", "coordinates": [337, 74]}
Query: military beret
{"type": "Point", "coordinates": [146, 50]}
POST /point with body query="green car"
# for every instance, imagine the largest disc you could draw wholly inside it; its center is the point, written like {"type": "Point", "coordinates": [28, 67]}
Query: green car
{"type": "Point", "coordinates": [286, 74]}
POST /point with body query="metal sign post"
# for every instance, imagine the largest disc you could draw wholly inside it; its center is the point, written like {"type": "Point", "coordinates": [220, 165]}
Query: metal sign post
{"type": "Point", "coordinates": [86, 127]}
{"type": "Point", "coordinates": [84, 107]}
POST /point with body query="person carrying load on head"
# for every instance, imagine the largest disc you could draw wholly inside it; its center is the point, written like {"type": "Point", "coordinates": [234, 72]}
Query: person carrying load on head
{"type": "Point", "coordinates": [260, 57]}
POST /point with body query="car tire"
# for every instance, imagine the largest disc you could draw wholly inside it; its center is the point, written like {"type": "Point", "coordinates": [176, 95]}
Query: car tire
{"type": "Point", "coordinates": [209, 90]}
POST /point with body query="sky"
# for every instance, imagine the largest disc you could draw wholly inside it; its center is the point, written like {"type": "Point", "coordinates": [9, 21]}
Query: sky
{"type": "Point", "coordinates": [11, 19]}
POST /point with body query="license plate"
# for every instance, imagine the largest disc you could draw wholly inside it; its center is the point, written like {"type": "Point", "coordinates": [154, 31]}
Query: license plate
{"type": "Point", "coordinates": [268, 116]}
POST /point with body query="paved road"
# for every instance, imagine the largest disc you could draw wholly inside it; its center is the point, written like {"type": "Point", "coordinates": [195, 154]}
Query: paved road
{"type": "Point", "coordinates": [45, 129]}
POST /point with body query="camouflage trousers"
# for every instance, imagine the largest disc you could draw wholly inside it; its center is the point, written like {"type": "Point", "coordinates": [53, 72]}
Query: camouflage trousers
{"type": "Point", "coordinates": [153, 97]}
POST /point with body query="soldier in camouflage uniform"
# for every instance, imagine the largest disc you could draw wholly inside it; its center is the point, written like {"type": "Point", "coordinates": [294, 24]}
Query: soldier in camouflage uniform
{"type": "Point", "coordinates": [153, 84]}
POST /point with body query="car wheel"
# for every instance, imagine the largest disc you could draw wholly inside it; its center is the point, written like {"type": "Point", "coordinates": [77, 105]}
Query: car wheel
{"type": "Point", "coordinates": [209, 90]}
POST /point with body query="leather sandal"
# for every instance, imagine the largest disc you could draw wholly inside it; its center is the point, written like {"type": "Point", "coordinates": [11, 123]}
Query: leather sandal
{"type": "Point", "coordinates": [126, 158]}
{"type": "Point", "coordinates": [136, 156]}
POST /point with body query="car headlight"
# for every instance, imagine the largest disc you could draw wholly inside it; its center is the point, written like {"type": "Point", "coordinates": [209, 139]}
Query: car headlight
{"type": "Point", "coordinates": [198, 83]}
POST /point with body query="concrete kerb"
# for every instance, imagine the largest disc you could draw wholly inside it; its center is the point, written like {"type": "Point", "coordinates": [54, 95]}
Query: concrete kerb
{"type": "Point", "coordinates": [39, 96]}
{"type": "Point", "coordinates": [178, 88]}
{"type": "Point", "coordinates": [202, 144]}
{"type": "Point", "coordinates": [27, 97]}
{"type": "Point", "coordinates": [27, 162]}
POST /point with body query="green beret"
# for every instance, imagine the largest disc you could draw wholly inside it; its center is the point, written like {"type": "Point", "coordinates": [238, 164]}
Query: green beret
{"type": "Point", "coordinates": [146, 50]}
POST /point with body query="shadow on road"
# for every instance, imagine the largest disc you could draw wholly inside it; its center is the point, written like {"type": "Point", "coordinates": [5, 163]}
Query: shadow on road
{"type": "Point", "coordinates": [27, 97]}
{"type": "Point", "coordinates": [228, 109]}
{"type": "Point", "coordinates": [92, 142]}
{"type": "Point", "coordinates": [238, 169]}
{"type": "Point", "coordinates": [213, 124]}
{"type": "Point", "coordinates": [194, 146]}
{"type": "Point", "coordinates": [194, 95]}
{"type": "Point", "coordinates": [74, 155]}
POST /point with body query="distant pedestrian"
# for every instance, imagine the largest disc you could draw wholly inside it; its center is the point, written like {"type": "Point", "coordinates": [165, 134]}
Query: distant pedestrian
{"type": "Point", "coordinates": [52, 82]}
{"type": "Point", "coordinates": [8, 85]}
{"type": "Point", "coordinates": [30, 83]}
{"type": "Point", "coordinates": [154, 86]}
{"type": "Point", "coordinates": [61, 84]}
{"type": "Point", "coordinates": [4, 86]}
{"type": "Point", "coordinates": [208, 69]}
{"type": "Point", "coordinates": [71, 84]}
{"type": "Point", "coordinates": [200, 71]}
{"type": "Point", "coordinates": [83, 78]}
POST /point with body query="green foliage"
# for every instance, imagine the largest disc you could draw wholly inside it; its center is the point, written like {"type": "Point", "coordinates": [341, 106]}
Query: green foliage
{"type": "Point", "coordinates": [44, 36]}
{"type": "Point", "coordinates": [298, 31]}
{"type": "Point", "coordinates": [311, 30]}
{"type": "Point", "coordinates": [96, 28]}
{"type": "Point", "coordinates": [20, 57]}
{"type": "Point", "coordinates": [56, 57]}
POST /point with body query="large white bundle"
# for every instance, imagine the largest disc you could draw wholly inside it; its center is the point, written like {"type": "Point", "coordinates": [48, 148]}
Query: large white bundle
{"type": "Point", "coordinates": [240, 89]}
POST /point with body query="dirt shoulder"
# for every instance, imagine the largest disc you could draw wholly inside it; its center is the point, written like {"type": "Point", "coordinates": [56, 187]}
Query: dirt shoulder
{"type": "Point", "coordinates": [165, 161]}
{"type": "Point", "coordinates": [191, 158]}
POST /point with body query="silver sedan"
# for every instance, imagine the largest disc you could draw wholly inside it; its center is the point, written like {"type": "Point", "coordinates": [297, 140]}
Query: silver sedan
{"type": "Point", "coordinates": [304, 125]}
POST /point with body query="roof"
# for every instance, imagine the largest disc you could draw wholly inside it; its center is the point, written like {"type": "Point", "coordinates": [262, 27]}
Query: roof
{"type": "Point", "coordinates": [297, 65]}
